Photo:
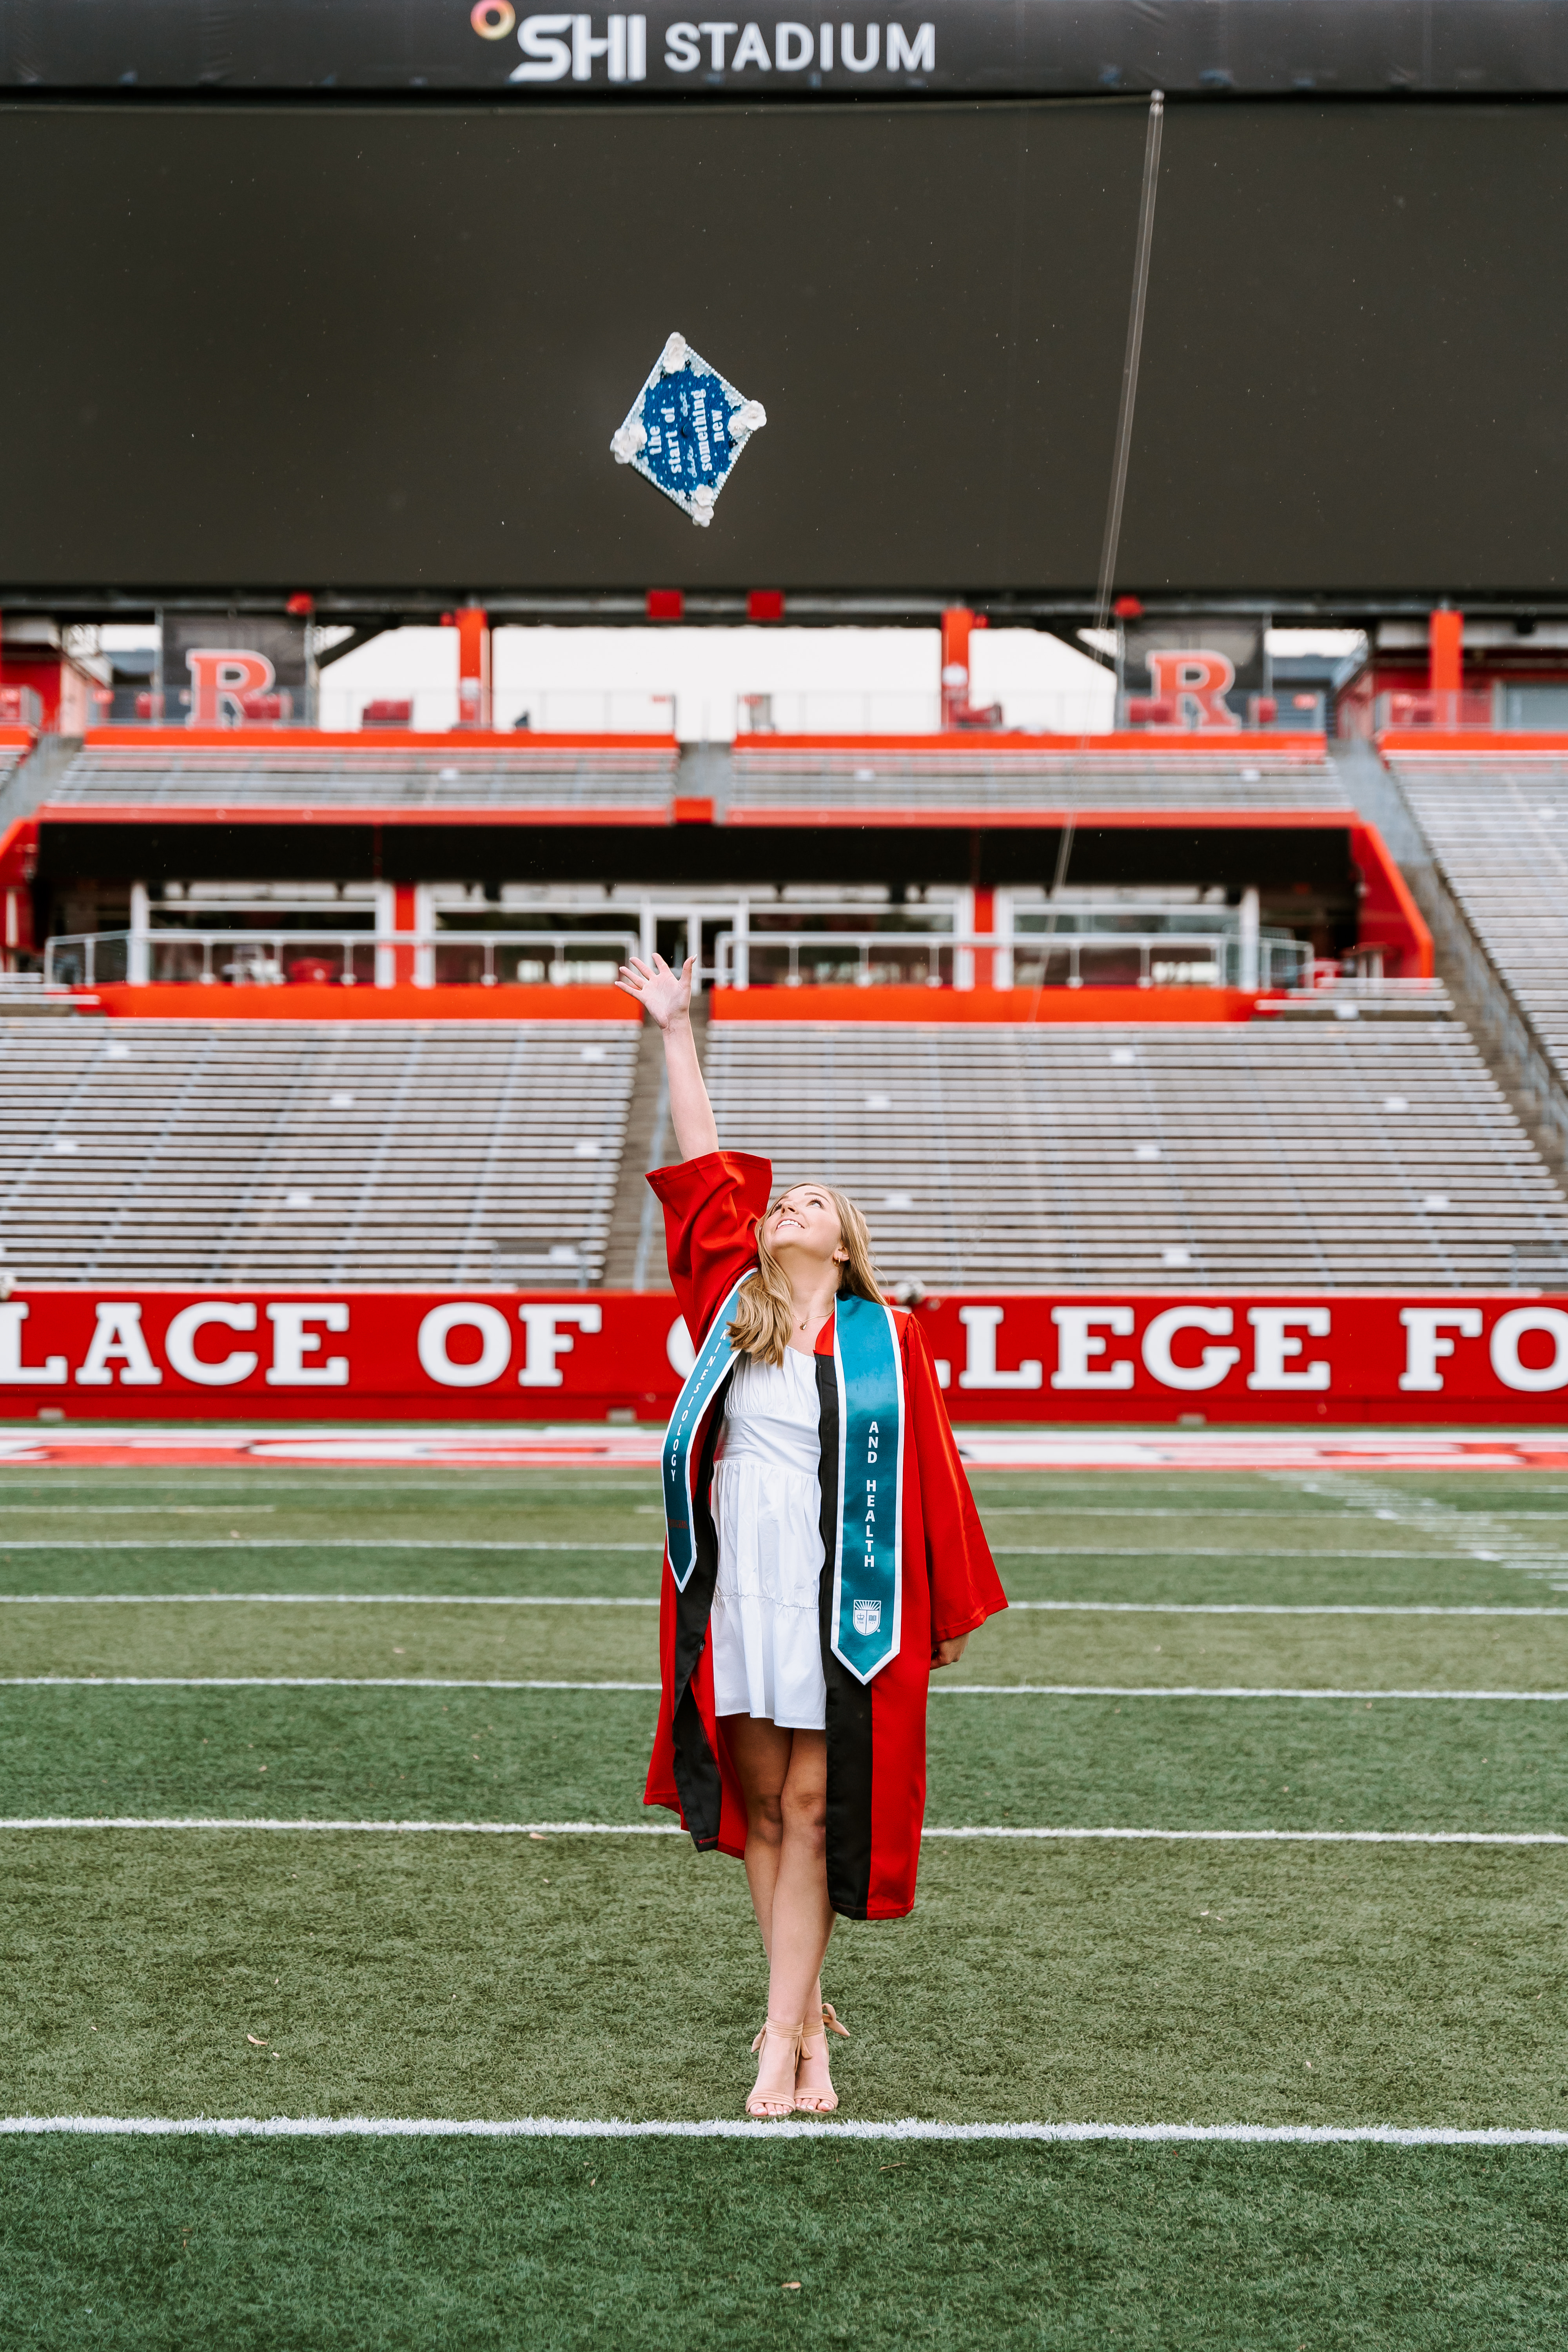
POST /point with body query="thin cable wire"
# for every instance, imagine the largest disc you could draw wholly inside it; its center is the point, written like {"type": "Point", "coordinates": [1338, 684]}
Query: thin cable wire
{"type": "Point", "coordinates": [1130, 364]}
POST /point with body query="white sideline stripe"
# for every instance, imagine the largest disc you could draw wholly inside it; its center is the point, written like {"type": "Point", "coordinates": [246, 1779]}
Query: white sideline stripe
{"type": "Point", "coordinates": [650, 1600]}
{"type": "Point", "coordinates": [673, 1828]}
{"type": "Point", "coordinates": [303, 1682]}
{"type": "Point", "coordinates": [938, 1690]}
{"type": "Point", "coordinates": [728, 2127]}
{"type": "Point", "coordinates": [380, 1601]}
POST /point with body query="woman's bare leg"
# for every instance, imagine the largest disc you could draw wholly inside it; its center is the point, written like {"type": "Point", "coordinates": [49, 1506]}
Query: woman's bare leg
{"type": "Point", "coordinates": [783, 1777]}
{"type": "Point", "coordinates": [759, 1752]}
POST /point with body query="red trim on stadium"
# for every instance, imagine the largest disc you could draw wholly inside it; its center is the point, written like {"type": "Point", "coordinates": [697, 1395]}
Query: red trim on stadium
{"type": "Point", "coordinates": [1041, 1006]}
{"type": "Point", "coordinates": [304, 1001]}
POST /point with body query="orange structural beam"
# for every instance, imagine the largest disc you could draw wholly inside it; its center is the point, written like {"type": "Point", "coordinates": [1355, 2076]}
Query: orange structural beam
{"type": "Point", "coordinates": [170, 1001]}
{"type": "Point", "coordinates": [1472, 743]}
{"type": "Point", "coordinates": [652, 813]}
{"type": "Point", "coordinates": [1390, 918]}
{"type": "Point", "coordinates": [929, 1005]}
{"type": "Point", "coordinates": [995, 820]}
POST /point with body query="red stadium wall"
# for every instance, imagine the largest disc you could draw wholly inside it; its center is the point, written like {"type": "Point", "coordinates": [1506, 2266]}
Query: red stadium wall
{"type": "Point", "coordinates": [119, 1354]}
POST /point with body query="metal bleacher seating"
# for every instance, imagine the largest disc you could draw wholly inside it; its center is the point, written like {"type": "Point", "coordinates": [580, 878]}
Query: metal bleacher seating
{"type": "Point", "coordinates": [371, 774]}
{"type": "Point", "coordinates": [1498, 827]}
{"type": "Point", "coordinates": [285, 1152]}
{"type": "Point", "coordinates": [989, 778]}
{"type": "Point", "coordinates": [1334, 1155]}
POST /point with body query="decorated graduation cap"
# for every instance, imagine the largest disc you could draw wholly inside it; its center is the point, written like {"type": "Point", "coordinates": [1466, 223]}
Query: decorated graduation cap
{"type": "Point", "coordinates": [686, 428]}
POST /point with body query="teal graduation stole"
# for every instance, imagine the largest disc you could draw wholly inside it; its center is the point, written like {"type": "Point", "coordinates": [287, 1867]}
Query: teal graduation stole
{"type": "Point", "coordinates": [867, 1565]}
{"type": "Point", "coordinates": [867, 1555]}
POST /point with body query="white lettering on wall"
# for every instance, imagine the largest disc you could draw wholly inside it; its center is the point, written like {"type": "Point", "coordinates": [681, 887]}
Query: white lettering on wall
{"type": "Point", "coordinates": [1213, 1362]}
{"type": "Point", "coordinates": [118, 1338]}
{"type": "Point", "coordinates": [905, 55]}
{"type": "Point", "coordinates": [752, 50]}
{"type": "Point", "coordinates": [1078, 1340]}
{"type": "Point", "coordinates": [49, 1374]}
{"type": "Point", "coordinates": [564, 44]}
{"type": "Point", "coordinates": [495, 1344]}
{"type": "Point", "coordinates": [550, 59]}
{"type": "Point", "coordinates": [1532, 1379]}
{"type": "Point", "coordinates": [180, 1343]}
{"type": "Point", "coordinates": [546, 1340]}
{"type": "Point", "coordinates": [1423, 1347]}
{"type": "Point", "coordinates": [1273, 1347]}
{"type": "Point", "coordinates": [292, 1341]}
{"type": "Point", "coordinates": [717, 35]}
{"type": "Point", "coordinates": [982, 1323]}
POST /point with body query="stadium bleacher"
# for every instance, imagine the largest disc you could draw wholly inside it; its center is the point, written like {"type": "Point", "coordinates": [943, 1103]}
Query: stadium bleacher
{"type": "Point", "coordinates": [321, 773]}
{"type": "Point", "coordinates": [1498, 827]}
{"type": "Point", "coordinates": [881, 775]}
{"type": "Point", "coordinates": [184, 1151]}
{"type": "Point", "coordinates": [1326, 1156]}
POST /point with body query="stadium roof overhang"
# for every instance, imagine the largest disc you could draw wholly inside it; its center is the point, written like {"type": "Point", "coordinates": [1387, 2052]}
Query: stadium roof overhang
{"type": "Point", "coordinates": [1130, 848]}
{"type": "Point", "coordinates": [426, 49]}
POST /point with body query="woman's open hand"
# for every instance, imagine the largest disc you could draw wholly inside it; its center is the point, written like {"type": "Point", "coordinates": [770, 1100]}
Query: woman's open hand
{"type": "Point", "coordinates": [948, 1654]}
{"type": "Point", "coordinates": [665, 995]}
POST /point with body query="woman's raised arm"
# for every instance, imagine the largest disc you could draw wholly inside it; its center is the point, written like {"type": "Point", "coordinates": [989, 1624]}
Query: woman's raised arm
{"type": "Point", "coordinates": [665, 997]}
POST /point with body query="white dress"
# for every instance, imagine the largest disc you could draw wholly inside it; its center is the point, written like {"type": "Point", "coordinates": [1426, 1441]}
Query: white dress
{"type": "Point", "coordinates": [767, 1502]}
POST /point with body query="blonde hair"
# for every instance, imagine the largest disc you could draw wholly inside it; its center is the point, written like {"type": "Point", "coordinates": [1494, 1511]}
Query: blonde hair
{"type": "Point", "coordinates": [765, 1315]}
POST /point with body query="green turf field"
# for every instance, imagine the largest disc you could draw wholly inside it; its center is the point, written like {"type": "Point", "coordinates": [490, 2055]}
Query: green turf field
{"type": "Point", "coordinates": [1364, 1663]}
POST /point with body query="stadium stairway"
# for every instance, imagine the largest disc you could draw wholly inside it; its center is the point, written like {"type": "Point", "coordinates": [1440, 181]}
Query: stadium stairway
{"type": "Point", "coordinates": [1475, 838]}
{"type": "Point", "coordinates": [351, 1152]}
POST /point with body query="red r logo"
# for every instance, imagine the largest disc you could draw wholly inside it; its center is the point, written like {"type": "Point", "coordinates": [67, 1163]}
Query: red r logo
{"type": "Point", "coordinates": [1195, 685]}
{"type": "Point", "coordinates": [219, 678]}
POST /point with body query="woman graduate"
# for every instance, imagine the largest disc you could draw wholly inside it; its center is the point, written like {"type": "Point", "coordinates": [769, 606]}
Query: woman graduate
{"type": "Point", "coordinates": [823, 1553]}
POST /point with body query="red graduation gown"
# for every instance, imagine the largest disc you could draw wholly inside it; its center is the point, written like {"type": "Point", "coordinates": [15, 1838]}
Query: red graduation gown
{"type": "Point", "coordinates": [876, 1732]}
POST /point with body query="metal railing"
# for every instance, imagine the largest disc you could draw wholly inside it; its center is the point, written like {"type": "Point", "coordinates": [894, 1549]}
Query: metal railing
{"type": "Point", "coordinates": [950, 959]}
{"type": "Point", "coordinates": [272, 959]}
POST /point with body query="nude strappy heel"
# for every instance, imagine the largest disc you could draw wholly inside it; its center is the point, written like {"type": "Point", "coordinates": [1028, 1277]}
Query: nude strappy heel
{"type": "Point", "coordinates": [820, 2102]}
{"type": "Point", "coordinates": [779, 2104]}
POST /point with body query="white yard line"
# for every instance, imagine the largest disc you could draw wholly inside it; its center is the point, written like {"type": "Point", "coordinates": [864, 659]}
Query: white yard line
{"type": "Point", "coordinates": [1287, 1608]}
{"type": "Point", "coordinates": [302, 1681]}
{"type": "Point", "coordinates": [910, 2128]}
{"type": "Point", "coordinates": [1059, 1551]}
{"type": "Point", "coordinates": [1196, 1690]}
{"type": "Point", "coordinates": [386, 1543]}
{"type": "Point", "coordinates": [650, 1600]}
{"type": "Point", "coordinates": [938, 1690]}
{"type": "Point", "coordinates": [382, 1600]}
{"type": "Point", "coordinates": [673, 1828]}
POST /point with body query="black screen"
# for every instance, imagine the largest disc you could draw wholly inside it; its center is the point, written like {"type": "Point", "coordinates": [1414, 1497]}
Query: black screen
{"type": "Point", "coordinates": [297, 346]}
